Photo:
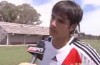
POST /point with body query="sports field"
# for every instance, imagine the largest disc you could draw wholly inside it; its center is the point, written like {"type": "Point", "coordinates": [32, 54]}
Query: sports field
{"type": "Point", "coordinates": [13, 55]}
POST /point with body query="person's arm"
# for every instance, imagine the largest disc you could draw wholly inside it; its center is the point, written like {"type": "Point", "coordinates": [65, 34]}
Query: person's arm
{"type": "Point", "coordinates": [26, 63]}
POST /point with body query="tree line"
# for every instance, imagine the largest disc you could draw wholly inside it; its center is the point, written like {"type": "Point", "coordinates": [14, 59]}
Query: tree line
{"type": "Point", "coordinates": [23, 14]}
{"type": "Point", "coordinates": [87, 36]}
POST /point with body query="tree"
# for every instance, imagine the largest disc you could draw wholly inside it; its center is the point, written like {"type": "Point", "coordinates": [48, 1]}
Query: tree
{"type": "Point", "coordinates": [8, 12]}
{"type": "Point", "coordinates": [27, 14]}
{"type": "Point", "coordinates": [24, 13]}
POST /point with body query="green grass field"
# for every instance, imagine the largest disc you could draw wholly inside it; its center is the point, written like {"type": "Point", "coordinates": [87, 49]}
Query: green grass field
{"type": "Point", "coordinates": [13, 55]}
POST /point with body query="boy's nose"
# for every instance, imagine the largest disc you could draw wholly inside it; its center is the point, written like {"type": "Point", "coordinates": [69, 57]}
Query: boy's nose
{"type": "Point", "coordinates": [53, 23]}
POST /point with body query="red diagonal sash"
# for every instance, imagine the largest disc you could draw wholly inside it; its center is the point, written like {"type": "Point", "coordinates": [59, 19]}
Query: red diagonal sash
{"type": "Point", "coordinates": [73, 58]}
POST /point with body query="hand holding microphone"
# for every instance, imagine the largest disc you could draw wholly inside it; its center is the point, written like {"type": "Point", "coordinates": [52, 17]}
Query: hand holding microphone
{"type": "Point", "coordinates": [37, 51]}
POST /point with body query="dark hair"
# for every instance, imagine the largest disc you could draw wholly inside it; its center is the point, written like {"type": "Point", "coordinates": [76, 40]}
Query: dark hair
{"type": "Point", "coordinates": [68, 10]}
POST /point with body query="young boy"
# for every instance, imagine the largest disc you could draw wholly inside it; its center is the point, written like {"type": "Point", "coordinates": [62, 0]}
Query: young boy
{"type": "Point", "coordinates": [62, 48]}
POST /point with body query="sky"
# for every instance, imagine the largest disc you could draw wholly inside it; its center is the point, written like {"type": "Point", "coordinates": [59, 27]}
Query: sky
{"type": "Point", "coordinates": [90, 23]}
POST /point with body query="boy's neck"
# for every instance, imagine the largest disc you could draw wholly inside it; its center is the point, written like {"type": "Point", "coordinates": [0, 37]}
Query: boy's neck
{"type": "Point", "coordinates": [60, 42]}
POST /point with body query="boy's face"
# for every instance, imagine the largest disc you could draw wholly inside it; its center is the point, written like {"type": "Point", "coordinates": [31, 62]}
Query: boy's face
{"type": "Point", "coordinates": [60, 28]}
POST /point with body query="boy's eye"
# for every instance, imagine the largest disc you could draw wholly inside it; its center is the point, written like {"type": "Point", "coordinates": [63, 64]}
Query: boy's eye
{"type": "Point", "coordinates": [60, 21]}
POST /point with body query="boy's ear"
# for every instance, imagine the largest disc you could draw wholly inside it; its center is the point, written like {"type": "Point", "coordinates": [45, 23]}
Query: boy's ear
{"type": "Point", "coordinates": [73, 27]}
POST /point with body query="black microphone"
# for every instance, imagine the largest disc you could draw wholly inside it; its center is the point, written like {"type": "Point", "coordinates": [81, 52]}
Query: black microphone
{"type": "Point", "coordinates": [38, 50]}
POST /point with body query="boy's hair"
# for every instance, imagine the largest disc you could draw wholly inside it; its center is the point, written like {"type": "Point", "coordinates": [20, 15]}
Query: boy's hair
{"type": "Point", "coordinates": [68, 10]}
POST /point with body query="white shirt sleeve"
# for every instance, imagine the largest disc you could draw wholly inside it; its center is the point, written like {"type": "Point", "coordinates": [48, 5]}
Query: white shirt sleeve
{"type": "Point", "coordinates": [86, 61]}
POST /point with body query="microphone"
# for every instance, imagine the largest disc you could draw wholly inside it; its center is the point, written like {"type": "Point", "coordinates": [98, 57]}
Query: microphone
{"type": "Point", "coordinates": [37, 51]}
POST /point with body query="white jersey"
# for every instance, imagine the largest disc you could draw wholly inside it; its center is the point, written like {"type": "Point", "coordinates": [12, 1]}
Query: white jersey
{"type": "Point", "coordinates": [73, 53]}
